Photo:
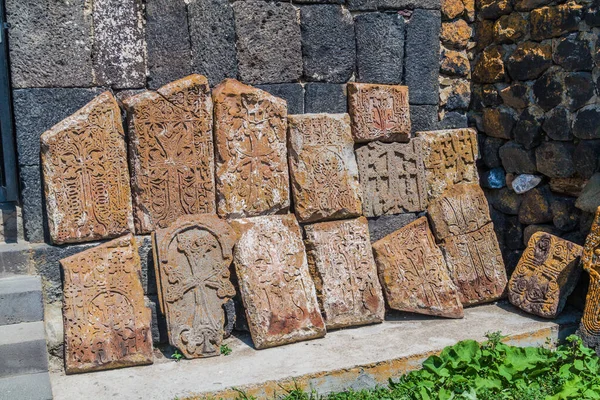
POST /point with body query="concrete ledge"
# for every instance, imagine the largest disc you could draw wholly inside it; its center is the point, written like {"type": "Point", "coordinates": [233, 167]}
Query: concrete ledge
{"type": "Point", "coordinates": [26, 387]}
{"type": "Point", "coordinates": [351, 358]}
{"type": "Point", "coordinates": [21, 300]}
{"type": "Point", "coordinates": [23, 349]}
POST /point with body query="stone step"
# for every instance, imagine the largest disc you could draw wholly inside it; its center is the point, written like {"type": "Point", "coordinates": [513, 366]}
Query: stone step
{"type": "Point", "coordinates": [15, 259]}
{"type": "Point", "coordinates": [23, 349]}
{"type": "Point", "coordinates": [26, 387]}
{"type": "Point", "coordinates": [21, 300]}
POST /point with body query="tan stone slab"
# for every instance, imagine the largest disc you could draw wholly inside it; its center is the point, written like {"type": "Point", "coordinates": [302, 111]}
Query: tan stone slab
{"type": "Point", "coordinates": [392, 178]}
{"type": "Point", "coordinates": [106, 322]}
{"type": "Point", "coordinates": [323, 169]}
{"type": "Point", "coordinates": [86, 179]}
{"type": "Point", "coordinates": [413, 272]}
{"type": "Point", "coordinates": [379, 112]}
{"type": "Point", "coordinates": [545, 275]}
{"type": "Point", "coordinates": [449, 157]}
{"type": "Point", "coordinates": [171, 153]}
{"type": "Point", "coordinates": [590, 322]}
{"type": "Point", "coordinates": [277, 290]}
{"type": "Point", "coordinates": [192, 259]}
{"type": "Point", "coordinates": [250, 144]}
{"type": "Point", "coordinates": [343, 268]}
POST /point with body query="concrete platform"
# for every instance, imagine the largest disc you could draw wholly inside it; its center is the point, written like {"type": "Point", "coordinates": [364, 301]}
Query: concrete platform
{"type": "Point", "coordinates": [351, 358]}
{"type": "Point", "coordinates": [23, 349]}
{"type": "Point", "coordinates": [21, 300]}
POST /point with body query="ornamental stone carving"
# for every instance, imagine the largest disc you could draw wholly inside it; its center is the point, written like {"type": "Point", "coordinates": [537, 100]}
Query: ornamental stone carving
{"type": "Point", "coordinates": [589, 329]}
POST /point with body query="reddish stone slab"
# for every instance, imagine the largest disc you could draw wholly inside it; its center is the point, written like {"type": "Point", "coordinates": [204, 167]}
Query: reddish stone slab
{"type": "Point", "coordinates": [589, 328]}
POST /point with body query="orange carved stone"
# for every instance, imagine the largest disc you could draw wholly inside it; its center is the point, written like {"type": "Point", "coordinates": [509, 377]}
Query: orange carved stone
{"type": "Point", "coordinates": [379, 112]}
{"type": "Point", "coordinates": [589, 329]}
{"type": "Point", "coordinates": [392, 178]}
{"type": "Point", "coordinates": [275, 283]}
{"type": "Point", "coordinates": [413, 273]}
{"type": "Point", "coordinates": [343, 269]}
{"type": "Point", "coordinates": [107, 324]}
{"type": "Point", "coordinates": [86, 179]}
{"type": "Point", "coordinates": [192, 259]}
{"type": "Point", "coordinates": [171, 150]}
{"type": "Point", "coordinates": [449, 157]}
{"type": "Point", "coordinates": [323, 167]}
{"type": "Point", "coordinates": [250, 142]}
{"type": "Point", "coordinates": [545, 275]}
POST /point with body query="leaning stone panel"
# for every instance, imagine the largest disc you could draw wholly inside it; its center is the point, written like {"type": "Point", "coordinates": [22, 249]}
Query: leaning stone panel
{"type": "Point", "coordinates": [545, 275]}
{"type": "Point", "coordinates": [392, 178]}
{"type": "Point", "coordinates": [342, 265]}
{"type": "Point", "coordinates": [275, 283]}
{"type": "Point", "coordinates": [323, 168]}
{"type": "Point", "coordinates": [171, 152]}
{"type": "Point", "coordinates": [106, 322]}
{"type": "Point", "coordinates": [589, 329]}
{"type": "Point", "coordinates": [413, 272]}
{"type": "Point", "coordinates": [192, 259]}
{"type": "Point", "coordinates": [86, 178]}
{"type": "Point", "coordinates": [250, 142]}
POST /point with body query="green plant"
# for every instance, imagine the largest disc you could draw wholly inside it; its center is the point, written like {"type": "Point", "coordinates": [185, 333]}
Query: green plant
{"type": "Point", "coordinates": [225, 349]}
{"type": "Point", "coordinates": [177, 356]}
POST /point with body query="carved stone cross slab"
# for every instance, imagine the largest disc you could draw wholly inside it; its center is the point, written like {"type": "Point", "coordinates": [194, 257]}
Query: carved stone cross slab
{"type": "Point", "coordinates": [589, 329]}
{"type": "Point", "coordinates": [192, 259]}
{"type": "Point", "coordinates": [275, 283]}
{"type": "Point", "coordinates": [86, 179]}
{"type": "Point", "coordinates": [323, 168]}
{"type": "Point", "coordinates": [343, 269]}
{"type": "Point", "coordinates": [106, 322]}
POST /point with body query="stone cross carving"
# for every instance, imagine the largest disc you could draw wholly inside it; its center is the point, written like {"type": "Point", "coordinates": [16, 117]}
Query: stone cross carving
{"type": "Point", "coordinates": [590, 322]}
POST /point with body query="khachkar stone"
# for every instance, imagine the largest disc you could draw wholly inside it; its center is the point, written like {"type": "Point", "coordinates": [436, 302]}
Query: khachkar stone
{"type": "Point", "coordinates": [250, 142]}
{"type": "Point", "coordinates": [589, 329]}
{"type": "Point", "coordinates": [343, 269]}
{"type": "Point", "coordinates": [449, 157]}
{"type": "Point", "coordinates": [277, 290]}
{"type": "Point", "coordinates": [86, 179]}
{"type": "Point", "coordinates": [323, 168]}
{"type": "Point", "coordinates": [106, 322]}
{"type": "Point", "coordinates": [392, 178]}
{"type": "Point", "coordinates": [413, 273]}
{"type": "Point", "coordinates": [171, 153]}
{"type": "Point", "coordinates": [545, 275]}
{"type": "Point", "coordinates": [379, 112]}
{"type": "Point", "coordinates": [192, 259]}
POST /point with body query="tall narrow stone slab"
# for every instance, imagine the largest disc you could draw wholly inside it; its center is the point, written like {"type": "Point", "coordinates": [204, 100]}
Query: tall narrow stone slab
{"type": "Point", "coordinates": [250, 142]}
{"type": "Point", "coordinates": [277, 290]}
{"type": "Point", "coordinates": [323, 168]}
{"type": "Point", "coordinates": [86, 178]}
{"type": "Point", "coordinates": [171, 153]}
{"type": "Point", "coordinates": [107, 324]}
{"type": "Point", "coordinates": [192, 259]}
{"type": "Point", "coordinates": [344, 271]}
{"type": "Point", "coordinates": [392, 178]}
{"type": "Point", "coordinates": [589, 329]}
{"type": "Point", "coordinates": [379, 112]}
{"type": "Point", "coordinates": [449, 157]}
{"type": "Point", "coordinates": [545, 275]}
{"type": "Point", "coordinates": [413, 273]}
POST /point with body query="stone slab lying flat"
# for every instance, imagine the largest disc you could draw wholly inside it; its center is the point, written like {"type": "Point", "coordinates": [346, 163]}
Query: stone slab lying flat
{"type": "Point", "coordinates": [358, 358]}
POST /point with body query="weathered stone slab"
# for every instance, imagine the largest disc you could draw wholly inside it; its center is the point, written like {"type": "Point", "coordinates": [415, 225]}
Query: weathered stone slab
{"type": "Point", "coordinates": [392, 178]}
{"type": "Point", "coordinates": [192, 259]}
{"type": "Point", "coordinates": [171, 153]}
{"type": "Point", "coordinates": [589, 329]}
{"type": "Point", "coordinates": [250, 141]}
{"type": "Point", "coordinates": [379, 112]}
{"type": "Point", "coordinates": [344, 271]}
{"type": "Point", "coordinates": [323, 169]}
{"type": "Point", "coordinates": [413, 272]}
{"type": "Point", "coordinates": [106, 322]}
{"type": "Point", "coordinates": [325, 98]}
{"type": "Point", "coordinates": [86, 178]}
{"type": "Point", "coordinates": [449, 157]}
{"type": "Point", "coordinates": [277, 290]}
{"type": "Point", "coordinates": [545, 275]}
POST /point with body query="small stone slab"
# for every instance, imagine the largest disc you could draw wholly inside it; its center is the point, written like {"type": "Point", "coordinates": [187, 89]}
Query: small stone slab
{"type": "Point", "coordinates": [392, 178]}
{"type": "Point", "coordinates": [171, 153]}
{"type": "Point", "coordinates": [192, 259]}
{"type": "Point", "coordinates": [449, 156]}
{"type": "Point", "coordinates": [323, 169]}
{"type": "Point", "coordinates": [379, 112]}
{"type": "Point", "coordinates": [545, 275]}
{"type": "Point", "coordinates": [344, 271]}
{"type": "Point", "coordinates": [106, 322]}
{"type": "Point", "coordinates": [250, 142]}
{"type": "Point", "coordinates": [413, 272]}
{"type": "Point", "coordinates": [86, 177]}
{"type": "Point", "coordinates": [589, 329]}
{"type": "Point", "coordinates": [278, 293]}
